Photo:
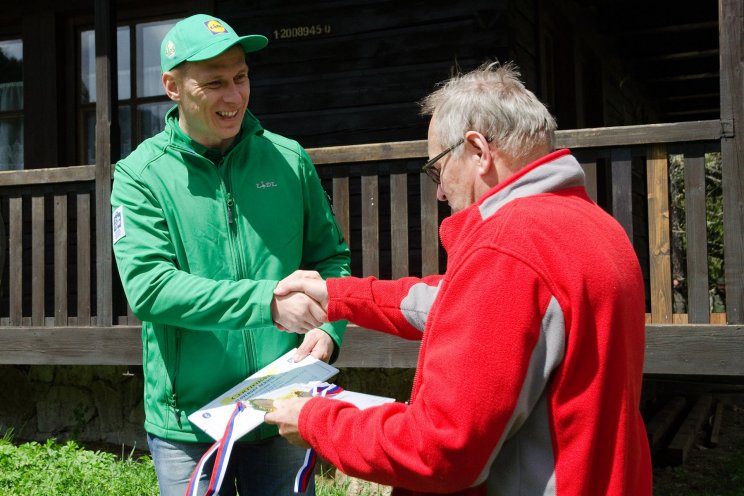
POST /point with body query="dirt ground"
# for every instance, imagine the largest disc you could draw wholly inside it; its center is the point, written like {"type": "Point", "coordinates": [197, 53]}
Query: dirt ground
{"type": "Point", "coordinates": [710, 470]}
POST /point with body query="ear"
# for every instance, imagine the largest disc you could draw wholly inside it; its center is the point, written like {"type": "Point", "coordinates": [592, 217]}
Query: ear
{"type": "Point", "coordinates": [172, 86]}
{"type": "Point", "coordinates": [480, 151]}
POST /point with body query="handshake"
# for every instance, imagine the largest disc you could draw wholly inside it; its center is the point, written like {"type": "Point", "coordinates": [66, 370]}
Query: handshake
{"type": "Point", "coordinates": [300, 302]}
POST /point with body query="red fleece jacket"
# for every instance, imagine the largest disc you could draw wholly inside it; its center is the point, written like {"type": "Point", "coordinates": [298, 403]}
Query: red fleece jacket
{"type": "Point", "coordinates": [529, 375]}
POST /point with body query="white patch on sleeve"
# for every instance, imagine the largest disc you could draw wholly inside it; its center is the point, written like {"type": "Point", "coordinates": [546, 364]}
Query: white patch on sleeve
{"type": "Point", "coordinates": [117, 224]}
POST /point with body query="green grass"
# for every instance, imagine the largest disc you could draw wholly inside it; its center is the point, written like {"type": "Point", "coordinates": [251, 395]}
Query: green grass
{"type": "Point", "coordinates": [56, 469]}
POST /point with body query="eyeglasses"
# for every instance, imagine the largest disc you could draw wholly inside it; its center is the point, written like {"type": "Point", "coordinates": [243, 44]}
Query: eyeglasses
{"type": "Point", "coordinates": [433, 172]}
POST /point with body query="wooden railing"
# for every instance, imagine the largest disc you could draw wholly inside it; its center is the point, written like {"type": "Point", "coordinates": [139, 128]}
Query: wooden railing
{"type": "Point", "coordinates": [389, 214]}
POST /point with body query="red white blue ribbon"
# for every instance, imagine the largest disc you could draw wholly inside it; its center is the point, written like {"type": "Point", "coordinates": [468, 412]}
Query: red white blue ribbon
{"type": "Point", "coordinates": [302, 479]}
{"type": "Point", "coordinates": [223, 448]}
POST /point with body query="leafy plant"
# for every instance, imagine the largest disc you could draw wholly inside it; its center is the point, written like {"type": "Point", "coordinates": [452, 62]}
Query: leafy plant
{"type": "Point", "coordinates": [55, 469]}
{"type": "Point", "coordinates": [67, 469]}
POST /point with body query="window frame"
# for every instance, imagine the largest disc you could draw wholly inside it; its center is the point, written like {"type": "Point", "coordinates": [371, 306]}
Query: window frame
{"type": "Point", "coordinates": [82, 109]}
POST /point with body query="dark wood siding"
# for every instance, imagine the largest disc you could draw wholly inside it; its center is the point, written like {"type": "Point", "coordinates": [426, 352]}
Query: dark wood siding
{"type": "Point", "coordinates": [351, 72]}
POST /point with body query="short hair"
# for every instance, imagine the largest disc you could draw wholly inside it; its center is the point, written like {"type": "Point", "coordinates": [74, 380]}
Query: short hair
{"type": "Point", "coordinates": [493, 101]}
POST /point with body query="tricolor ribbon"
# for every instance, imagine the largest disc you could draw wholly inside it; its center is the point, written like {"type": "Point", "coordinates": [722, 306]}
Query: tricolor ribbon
{"type": "Point", "coordinates": [302, 479]}
{"type": "Point", "coordinates": [223, 448]}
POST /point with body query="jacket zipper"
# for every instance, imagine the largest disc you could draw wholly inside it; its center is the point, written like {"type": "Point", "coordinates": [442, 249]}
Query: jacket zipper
{"type": "Point", "coordinates": [230, 205]}
{"type": "Point", "coordinates": [234, 235]}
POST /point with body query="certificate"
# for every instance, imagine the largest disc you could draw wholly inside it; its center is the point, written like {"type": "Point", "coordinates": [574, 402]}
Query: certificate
{"type": "Point", "coordinates": [283, 378]}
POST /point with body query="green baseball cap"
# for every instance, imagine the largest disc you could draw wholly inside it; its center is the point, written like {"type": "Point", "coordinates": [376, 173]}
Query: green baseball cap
{"type": "Point", "coordinates": [201, 37]}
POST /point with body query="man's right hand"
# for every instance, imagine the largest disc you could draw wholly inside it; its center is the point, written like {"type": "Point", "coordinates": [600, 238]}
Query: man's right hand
{"type": "Point", "coordinates": [305, 281]}
{"type": "Point", "coordinates": [296, 312]}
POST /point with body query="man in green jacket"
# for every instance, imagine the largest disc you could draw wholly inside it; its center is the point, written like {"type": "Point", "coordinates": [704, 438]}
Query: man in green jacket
{"type": "Point", "coordinates": [207, 217]}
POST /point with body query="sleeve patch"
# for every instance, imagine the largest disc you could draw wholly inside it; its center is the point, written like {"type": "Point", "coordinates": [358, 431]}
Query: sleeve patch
{"type": "Point", "coordinates": [117, 223]}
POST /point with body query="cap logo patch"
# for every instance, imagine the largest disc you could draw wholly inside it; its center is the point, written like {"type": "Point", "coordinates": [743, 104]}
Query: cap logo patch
{"type": "Point", "coordinates": [215, 27]}
{"type": "Point", "coordinates": [170, 49]}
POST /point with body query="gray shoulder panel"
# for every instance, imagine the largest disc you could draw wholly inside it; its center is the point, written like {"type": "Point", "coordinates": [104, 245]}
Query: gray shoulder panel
{"type": "Point", "coordinates": [417, 304]}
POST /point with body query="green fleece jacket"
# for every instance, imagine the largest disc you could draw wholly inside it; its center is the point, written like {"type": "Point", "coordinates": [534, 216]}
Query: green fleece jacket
{"type": "Point", "coordinates": [201, 240]}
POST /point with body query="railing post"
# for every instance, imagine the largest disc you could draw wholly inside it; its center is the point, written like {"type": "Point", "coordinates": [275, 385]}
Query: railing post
{"type": "Point", "coordinates": [3, 247]}
{"type": "Point", "coordinates": [107, 139]}
{"type": "Point", "coordinates": [658, 234]}
{"type": "Point", "coordinates": [730, 13]}
{"type": "Point", "coordinates": [622, 188]}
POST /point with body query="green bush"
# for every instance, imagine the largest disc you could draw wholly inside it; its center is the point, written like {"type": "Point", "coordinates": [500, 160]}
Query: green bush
{"type": "Point", "coordinates": [67, 469]}
{"type": "Point", "coordinates": [55, 469]}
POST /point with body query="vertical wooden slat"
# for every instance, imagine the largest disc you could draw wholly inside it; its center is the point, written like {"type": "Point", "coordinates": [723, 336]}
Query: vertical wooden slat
{"type": "Point", "coordinates": [590, 171]}
{"type": "Point", "coordinates": [107, 137]}
{"type": "Point", "coordinates": [429, 227]}
{"type": "Point", "coordinates": [658, 235]}
{"type": "Point", "coordinates": [60, 260]}
{"type": "Point", "coordinates": [83, 259]}
{"type": "Point", "coordinates": [731, 44]}
{"type": "Point", "coordinates": [131, 318]}
{"type": "Point", "coordinates": [697, 246]}
{"type": "Point", "coordinates": [370, 227]}
{"type": "Point", "coordinates": [399, 224]}
{"type": "Point", "coordinates": [622, 189]}
{"type": "Point", "coordinates": [37, 261]}
{"type": "Point", "coordinates": [341, 205]}
{"type": "Point", "coordinates": [15, 260]}
{"type": "Point", "coordinates": [3, 249]}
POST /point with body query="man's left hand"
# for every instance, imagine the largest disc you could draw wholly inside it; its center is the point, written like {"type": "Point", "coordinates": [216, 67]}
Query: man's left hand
{"type": "Point", "coordinates": [316, 343]}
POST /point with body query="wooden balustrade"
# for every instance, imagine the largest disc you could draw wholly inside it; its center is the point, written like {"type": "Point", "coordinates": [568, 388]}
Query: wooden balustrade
{"type": "Point", "coordinates": [49, 307]}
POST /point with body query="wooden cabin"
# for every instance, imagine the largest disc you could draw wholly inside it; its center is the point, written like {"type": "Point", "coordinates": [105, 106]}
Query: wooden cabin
{"type": "Point", "coordinates": [641, 91]}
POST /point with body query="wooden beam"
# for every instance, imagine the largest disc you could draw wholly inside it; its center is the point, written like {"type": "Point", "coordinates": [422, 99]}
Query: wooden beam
{"type": "Point", "coordinates": [660, 266]}
{"type": "Point", "coordinates": [663, 421]}
{"type": "Point", "coordinates": [370, 226]}
{"type": "Point", "coordinates": [341, 206]}
{"type": "Point", "coordinates": [622, 189]}
{"type": "Point", "coordinates": [699, 350]}
{"type": "Point", "coordinates": [368, 152]}
{"type": "Point", "coordinates": [711, 130]}
{"type": "Point", "coordinates": [122, 345]}
{"type": "Point", "coordinates": [429, 226]}
{"type": "Point", "coordinates": [695, 54]}
{"type": "Point", "coordinates": [683, 441]}
{"type": "Point", "coordinates": [107, 138]}
{"type": "Point", "coordinates": [363, 348]}
{"type": "Point", "coordinates": [705, 350]}
{"type": "Point", "coordinates": [71, 174]}
{"type": "Point", "coordinates": [697, 243]}
{"type": "Point", "coordinates": [15, 260]}
{"type": "Point", "coordinates": [3, 246]}
{"type": "Point", "coordinates": [732, 153]}
{"type": "Point", "coordinates": [38, 261]}
{"type": "Point", "coordinates": [399, 225]}
{"type": "Point", "coordinates": [71, 346]}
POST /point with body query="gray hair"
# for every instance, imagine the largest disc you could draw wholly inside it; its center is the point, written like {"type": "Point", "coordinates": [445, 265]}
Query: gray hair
{"type": "Point", "coordinates": [493, 101]}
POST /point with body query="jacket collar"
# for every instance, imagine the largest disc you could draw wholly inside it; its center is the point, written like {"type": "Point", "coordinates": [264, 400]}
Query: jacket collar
{"type": "Point", "coordinates": [553, 172]}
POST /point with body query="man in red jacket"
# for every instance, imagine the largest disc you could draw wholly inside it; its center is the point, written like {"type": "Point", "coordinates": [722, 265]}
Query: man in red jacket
{"type": "Point", "coordinates": [529, 376]}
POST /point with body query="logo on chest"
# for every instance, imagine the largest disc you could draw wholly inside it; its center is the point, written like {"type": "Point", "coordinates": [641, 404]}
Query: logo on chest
{"type": "Point", "coordinates": [266, 184]}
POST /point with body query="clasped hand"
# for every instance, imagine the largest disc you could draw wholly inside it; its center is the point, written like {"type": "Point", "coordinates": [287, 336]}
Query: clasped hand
{"type": "Point", "coordinates": [300, 302]}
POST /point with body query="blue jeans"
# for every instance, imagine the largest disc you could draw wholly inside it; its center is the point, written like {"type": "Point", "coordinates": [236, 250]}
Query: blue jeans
{"type": "Point", "coordinates": [265, 468]}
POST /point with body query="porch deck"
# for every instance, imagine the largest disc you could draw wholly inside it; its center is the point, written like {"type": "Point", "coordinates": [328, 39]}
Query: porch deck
{"type": "Point", "coordinates": [64, 305]}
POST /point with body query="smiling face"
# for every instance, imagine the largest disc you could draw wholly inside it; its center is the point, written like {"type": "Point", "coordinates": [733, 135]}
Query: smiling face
{"type": "Point", "coordinates": [212, 97]}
